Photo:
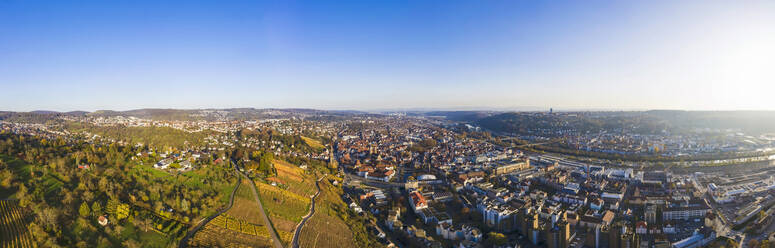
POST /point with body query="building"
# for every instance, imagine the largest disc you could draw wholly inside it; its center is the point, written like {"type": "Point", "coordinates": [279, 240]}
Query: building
{"type": "Point", "coordinates": [508, 166]}
{"type": "Point", "coordinates": [381, 175]}
{"type": "Point", "coordinates": [701, 237]}
{"type": "Point", "coordinates": [696, 208]}
{"type": "Point", "coordinates": [163, 164]}
{"type": "Point", "coordinates": [418, 201]}
{"type": "Point", "coordinates": [651, 214]}
{"type": "Point", "coordinates": [102, 220]}
{"type": "Point", "coordinates": [497, 215]}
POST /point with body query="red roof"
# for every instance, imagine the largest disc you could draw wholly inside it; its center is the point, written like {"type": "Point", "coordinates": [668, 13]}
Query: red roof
{"type": "Point", "coordinates": [418, 199]}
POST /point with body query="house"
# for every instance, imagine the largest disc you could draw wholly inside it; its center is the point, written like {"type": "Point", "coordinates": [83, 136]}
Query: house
{"type": "Point", "coordinates": [365, 170]}
{"type": "Point", "coordinates": [356, 208]}
{"type": "Point", "coordinates": [185, 165]}
{"type": "Point", "coordinates": [102, 220]}
{"type": "Point", "coordinates": [641, 227]}
{"type": "Point", "coordinates": [392, 219]}
{"type": "Point", "coordinates": [464, 232]}
{"type": "Point", "coordinates": [163, 164]}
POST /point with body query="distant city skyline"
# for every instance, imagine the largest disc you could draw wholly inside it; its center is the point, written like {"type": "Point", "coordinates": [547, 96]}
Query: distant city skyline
{"type": "Point", "coordinates": [368, 55]}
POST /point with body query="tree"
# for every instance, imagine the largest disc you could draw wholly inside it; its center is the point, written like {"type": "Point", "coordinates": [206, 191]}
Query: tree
{"type": "Point", "coordinates": [185, 205]}
{"type": "Point", "coordinates": [122, 211]}
{"type": "Point", "coordinates": [21, 194]}
{"type": "Point", "coordinates": [96, 208]}
{"type": "Point", "coordinates": [496, 239]}
{"type": "Point", "coordinates": [84, 209]}
{"type": "Point", "coordinates": [131, 243]}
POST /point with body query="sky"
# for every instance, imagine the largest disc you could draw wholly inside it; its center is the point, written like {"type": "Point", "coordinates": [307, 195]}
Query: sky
{"type": "Point", "coordinates": [366, 55]}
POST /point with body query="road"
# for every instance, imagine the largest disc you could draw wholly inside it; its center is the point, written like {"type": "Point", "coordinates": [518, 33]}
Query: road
{"type": "Point", "coordinates": [267, 222]}
{"type": "Point", "coordinates": [184, 242]}
{"type": "Point", "coordinates": [297, 233]}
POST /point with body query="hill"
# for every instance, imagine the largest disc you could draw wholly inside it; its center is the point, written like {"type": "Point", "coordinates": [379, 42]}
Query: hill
{"type": "Point", "coordinates": [649, 122]}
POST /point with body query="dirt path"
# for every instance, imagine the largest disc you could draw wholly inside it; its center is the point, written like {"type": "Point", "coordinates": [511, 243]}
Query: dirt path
{"type": "Point", "coordinates": [269, 226]}
{"type": "Point", "coordinates": [297, 232]}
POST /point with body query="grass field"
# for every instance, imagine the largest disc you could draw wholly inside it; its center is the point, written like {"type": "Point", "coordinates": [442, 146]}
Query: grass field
{"type": "Point", "coordinates": [13, 226]}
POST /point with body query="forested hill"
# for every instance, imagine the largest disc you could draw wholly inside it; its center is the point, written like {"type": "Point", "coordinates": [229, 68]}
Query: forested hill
{"type": "Point", "coordinates": [648, 122]}
{"type": "Point", "coordinates": [238, 114]}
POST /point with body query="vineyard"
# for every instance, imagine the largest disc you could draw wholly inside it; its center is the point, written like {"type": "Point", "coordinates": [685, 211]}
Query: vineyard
{"type": "Point", "coordinates": [168, 227]}
{"type": "Point", "coordinates": [334, 224]}
{"type": "Point", "coordinates": [13, 226]}
{"type": "Point", "coordinates": [241, 226]}
{"type": "Point", "coordinates": [288, 202]}
{"type": "Point", "coordinates": [245, 207]}
{"type": "Point", "coordinates": [213, 235]}
{"type": "Point", "coordinates": [294, 179]}
{"type": "Point", "coordinates": [325, 228]}
{"type": "Point", "coordinates": [283, 203]}
{"type": "Point", "coordinates": [238, 225]}
{"type": "Point", "coordinates": [313, 143]}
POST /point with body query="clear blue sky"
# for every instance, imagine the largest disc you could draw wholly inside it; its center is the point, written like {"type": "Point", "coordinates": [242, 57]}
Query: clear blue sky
{"type": "Point", "coordinates": [89, 55]}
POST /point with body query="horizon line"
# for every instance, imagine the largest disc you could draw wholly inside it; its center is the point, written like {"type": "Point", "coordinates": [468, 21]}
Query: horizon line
{"type": "Point", "coordinates": [419, 109]}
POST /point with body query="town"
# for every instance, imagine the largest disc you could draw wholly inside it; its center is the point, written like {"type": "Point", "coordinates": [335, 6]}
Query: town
{"type": "Point", "coordinates": [430, 182]}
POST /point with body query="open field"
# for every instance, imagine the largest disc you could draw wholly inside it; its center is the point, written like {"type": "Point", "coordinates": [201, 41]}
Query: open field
{"type": "Point", "coordinates": [13, 226]}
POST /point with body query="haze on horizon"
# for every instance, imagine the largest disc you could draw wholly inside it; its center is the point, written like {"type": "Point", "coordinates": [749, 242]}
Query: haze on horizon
{"type": "Point", "coordinates": [362, 55]}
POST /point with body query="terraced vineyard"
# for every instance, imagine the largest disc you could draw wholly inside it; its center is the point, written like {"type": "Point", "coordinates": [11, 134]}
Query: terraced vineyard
{"type": "Point", "coordinates": [326, 228]}
{"type": "Point", "coordinates": [334, 224]}
{"type": "Point", "coordinates": [294, 178]}
{"type": "Point", "coordinates": [216, 236]}
{"type": "Point", "coordinates": [13, 226]}
{"type": "Point", "coordinates": [283, 203]}
{"type": "Point", "coordinates": [289, 201]}
{"type": "Point", "coordinates": [241, 226]}
{"type": "Point", "coordinates": [314, 143]}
